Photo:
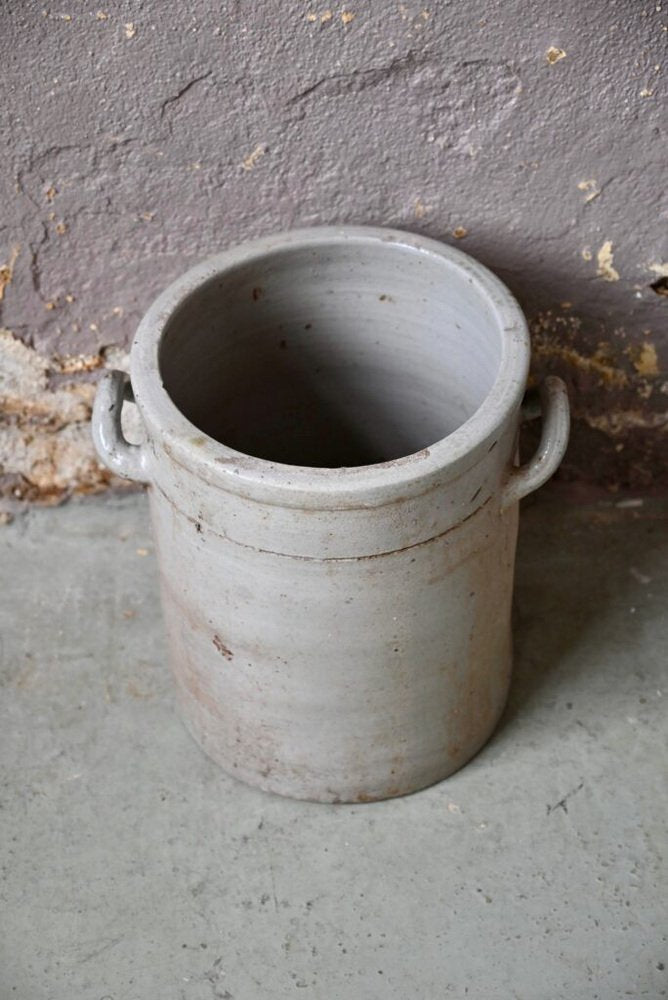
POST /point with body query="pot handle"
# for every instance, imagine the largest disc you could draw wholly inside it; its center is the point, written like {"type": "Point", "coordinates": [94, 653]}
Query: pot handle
{"type": "Point", "coordinates": [125, 459]}
{"type": "Point", "coordinates": [553, 441]}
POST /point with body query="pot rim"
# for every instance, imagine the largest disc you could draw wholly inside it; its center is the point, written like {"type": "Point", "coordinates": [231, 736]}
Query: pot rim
{"type": "Point", "coordinates": [349, 486]}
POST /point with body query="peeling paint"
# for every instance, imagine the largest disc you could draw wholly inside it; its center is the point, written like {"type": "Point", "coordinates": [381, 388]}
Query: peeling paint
{"type": "Point", "coordinates": [553, 336]}
{"type": "Point", "coordinates": [420, 209]}
{"type": "Point", "coordinates": [604, 268]}
{"type": "Point", "coordinates": [590, 189]}
{"type": "Point", "coordinates": [46, 451]}
{"type": "Point", "coordinates": [646, 362]}
{"type": "Point", "coordinates": [618, 422]}
{"type": "Point", "coordinates": [597, 364]}
{"type": "Point", "coordinates": [7, 271]}
{"type": "Point", "coordinates": [253, 157]}
{"type": "Point", "coordinates": [619, 426]}
{"type": "Point", "coordinates": [554, 55]}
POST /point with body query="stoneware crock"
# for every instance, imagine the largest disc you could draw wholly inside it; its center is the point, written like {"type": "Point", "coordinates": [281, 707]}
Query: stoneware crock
{"type": "Point", "coordinates": [331, 419]}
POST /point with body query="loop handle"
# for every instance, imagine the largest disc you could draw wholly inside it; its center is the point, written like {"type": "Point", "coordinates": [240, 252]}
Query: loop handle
{"type": "Point", "coordinates": [125, 459]}
{"type": "Point", "coordinates": [556, 424]}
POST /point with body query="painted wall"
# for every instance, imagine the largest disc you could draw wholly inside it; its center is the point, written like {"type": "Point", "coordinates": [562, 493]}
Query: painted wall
{"type": "Point", "coordinates": [139, 137]}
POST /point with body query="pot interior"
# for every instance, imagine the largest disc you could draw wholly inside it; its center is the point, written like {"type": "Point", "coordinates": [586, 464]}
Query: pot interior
{"type": "Point", "coordinates": [336, 355]}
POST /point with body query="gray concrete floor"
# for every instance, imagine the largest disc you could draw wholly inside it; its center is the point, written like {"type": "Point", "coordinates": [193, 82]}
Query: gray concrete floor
{"type": "Point", "coordinates": [134, 869]}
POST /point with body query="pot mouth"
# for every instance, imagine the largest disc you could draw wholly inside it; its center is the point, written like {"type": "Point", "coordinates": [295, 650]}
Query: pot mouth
{"type": "Point", "coordinates": [500, 386]}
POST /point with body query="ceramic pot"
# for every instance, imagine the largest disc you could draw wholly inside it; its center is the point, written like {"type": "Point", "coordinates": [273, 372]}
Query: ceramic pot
{"type": "Point", "coordinates": [331, 419]}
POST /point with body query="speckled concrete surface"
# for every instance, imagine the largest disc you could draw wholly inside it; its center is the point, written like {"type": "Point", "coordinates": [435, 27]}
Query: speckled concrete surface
{"type": "Point", "coordinates": [133, 869]}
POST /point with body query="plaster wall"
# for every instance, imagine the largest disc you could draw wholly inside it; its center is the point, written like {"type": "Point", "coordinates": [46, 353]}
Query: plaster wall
{"type": "Point", "coordinates": [140, 137]}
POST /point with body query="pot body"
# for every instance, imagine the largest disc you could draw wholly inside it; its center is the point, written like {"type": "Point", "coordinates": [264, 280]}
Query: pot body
{"type": "Point", "coordinates": [343, 633]}
{"type": "Point", "coordinates": [345, 679]}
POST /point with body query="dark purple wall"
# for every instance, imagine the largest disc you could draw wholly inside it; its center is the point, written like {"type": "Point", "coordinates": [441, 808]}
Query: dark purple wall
{"type": "Point", "coordinates": [140, 137]}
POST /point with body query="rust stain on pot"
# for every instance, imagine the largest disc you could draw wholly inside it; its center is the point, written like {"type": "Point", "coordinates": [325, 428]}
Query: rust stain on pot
{"type": "Point", "coordinates": [388, 793]}
{"type": "Point", "coordinates": [222, 648]}
{"type": "Point", "coordinates": [189, 684]}
{"type": "Point", "coordinates": [257, 292]}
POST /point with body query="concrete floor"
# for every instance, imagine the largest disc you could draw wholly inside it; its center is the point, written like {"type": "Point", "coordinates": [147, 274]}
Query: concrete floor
{"type": "Point", "coordinates": [133, 869]}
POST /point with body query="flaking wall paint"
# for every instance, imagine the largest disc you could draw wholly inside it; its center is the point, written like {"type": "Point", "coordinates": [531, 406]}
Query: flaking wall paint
{"type": "Point", "coordinates": [140, 137]}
